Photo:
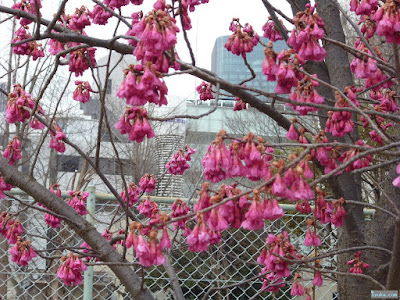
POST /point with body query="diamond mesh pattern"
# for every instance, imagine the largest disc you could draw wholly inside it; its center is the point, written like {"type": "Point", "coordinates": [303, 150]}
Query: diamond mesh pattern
{"type": "Point", "coordinates": [226, 264]}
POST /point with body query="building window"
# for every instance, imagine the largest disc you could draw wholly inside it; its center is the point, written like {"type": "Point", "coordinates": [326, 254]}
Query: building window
{"type": "Point", "coordinates": [67, 163]}
{"type": "Point", "coordinates": [109, 87]}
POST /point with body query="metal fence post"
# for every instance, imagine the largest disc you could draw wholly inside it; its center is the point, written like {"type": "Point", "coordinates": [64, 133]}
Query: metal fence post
{"type": "Point", "coordinates": [88, 276]}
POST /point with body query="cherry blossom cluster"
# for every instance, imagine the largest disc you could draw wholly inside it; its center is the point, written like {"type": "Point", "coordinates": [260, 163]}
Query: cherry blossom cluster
{"type": "Point", "coordinates": [278, 245]}
{"type": "Point", "coordinates": [82, 91]}
{"type": "Point", "coordinates": [79, 20]}
{"type": "Point", "coordinates": [148, 250]}
{"type": "Point", "coordinates": [364, 7]}
{"type": "Point", "coordinates": [365, 67]}
{"type": "Point", "coordinates": [239, 104]}
{"type": "Point", "coordinates": [387, 103]}
{"type": "Point", "coordinates": [133, 194]}
{"type": "Point", "coordinates": [50, 219]}
{"type": "Point", "coordinates": [260, 210]}
{"type": "Point", "coordinates": [81, 60]}
{"type": "Point", "coordinates": [57, 138]}
{"type": "Point", "coordinates": [35, 123]}
{"type": "Point", "coordinates": [305, 92]}
{"type": "Point", "coordinates": [157, 33]}
{"type": "Point", "coordinates": [269, 66]}
{"type": "Point", "coordinates": [78, 201]}
{"type": "Point", "coordinates": [292, 185]}
{"type": "Point", "coordinates": [309, 29]}
{"type": "Point", "coordinates": [292, 132]}
{"type": "Point", "coordinates": [388, 20]}
{"type": "Point", "coordinates": [71, 269]}
{"type": "Point", "coordinates": [142, 85]}
{"type": "Point", "coordinates": [31, 48]}
{"type": "Point", "coordinates": [201, 236]}
{"type": "Point", "coordinates": [178, 163]}
{"type": "Point", "coordinates": [147, 183]}
{"type": "Point", "coordinates": [13, 151]}
{"type": "Point", "coordinates": [10, 228]}
{"type": "Point", "coordinates": [271, 31]}
{"type": "Point", "coordinates": [99, 15]}
{"type": "Point", "coordinates": [179, 208]}
{"type": "Point", "coordinates": [339, 122]}
{"type": "Point", "coordinates": [326, 156]}
{"type": "Point", "coordinates": [18, 104]}
{"type": "Point", "coordinates": [362, 162]}
{"type": "Point", "coordinates": [116, 3]}
{"type": "Point", "coordinates": [205, 91]}
{"type": "Point", "coordinates": [243, 39]}
{"type": "Point", "coordinates": [297, 288]}
{"type": "Point", "coordinates": [28, 6]}
{"type": "Point", "coordinates": [135, 122]}
{"type": "Point", "coordinates": [148, 208]}
{"type": "Point", "coordinates": [4, 187]}
{"type": "Point", "coordinates": [287, 75]}
{"type": "Point", "coordinates": [107, 235]}
{"type": "Point", "coordinates": [193, 3]}
{"type": "Point", "coordinates": [220, 163]}
{"type": "Point", "coordinates": [329, 211]}
{"type": "Point", "coordinates": [311, 238]}
{"type": "Point", "coordinates": [22, 252]}
{"type": "Point", "coordinates": [357, 264]}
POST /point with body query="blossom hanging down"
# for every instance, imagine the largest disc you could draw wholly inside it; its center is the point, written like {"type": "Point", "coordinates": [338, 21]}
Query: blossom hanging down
{"type": "Point", "coordinates": [13, 151]}
{"type": "Point", "coordinates": [147, 183]}
{"type": "Point", "coordinates": [57, 138]}
{"type": "Point", "coordinates": [81, 60]}
{"type": "Point", "coordinates": [28, 6]}
{"type": "Point", "coordinates": [357, 264]}
{"type": "Point", "coordinates": [82, 91]}
{"type": "Point", "coordinates": [99, 15]}
{"type": "Point", "coordinates": [271, 32]}
{"type": "Point", "coordinates": [305, 92]}
{"type": "Point", "coordinates": [309, 29]}
{"type": "Point", "coordinates": [77, 201]}
{"type": "Point", "coordinates": [71, 270]}
{"type": "Point", "coordinates": [133, 194]}
{"type": "Point", "coordinates": [31, 48]}
{"type": "Point", "coordinates": [18, 105]}
{"type": "Point", "coordinates": [178, 163]}
{"type": "Point", "coordinates": [243, 39]}
{"type": "Point", "coordinates": [157, 33]}
{"type": "Point", "coordinates": [22, 252]}
{"type": "Point", "coordinates": [142, 85]}
{"type": "Point", "coordinates": [135, 122]}
{"type": "Point", "coordinates": [205, 91]}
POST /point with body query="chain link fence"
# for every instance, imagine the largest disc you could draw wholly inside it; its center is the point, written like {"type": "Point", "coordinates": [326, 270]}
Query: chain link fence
{"type": "Point", "coordinates": [224, 268]}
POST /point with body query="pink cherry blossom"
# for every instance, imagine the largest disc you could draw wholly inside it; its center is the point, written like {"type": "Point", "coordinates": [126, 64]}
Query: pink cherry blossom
{"type": "Point", "coordinates": [205, 91]}
{"type": "Point", "coordinates": [309, 29]}
{"type": "Point", "coordinates": [99, 15]}
{"type": "Point", "coordinates": [243, 39]}
{"type": "Point", "coordinates": [82, 91]}
{"type": "Point", "coordinates": [13, 152]}
{"type": "Point", "coordinates": [22, 252]}
{"type": "Point", "coordinates": [133, 193]}
{"type": "Point", "coordinates": [271, 31]}
{"type": "Point", "coordinates": [70, 271]}
{"type": "Point", "coordinates": [147, 183]}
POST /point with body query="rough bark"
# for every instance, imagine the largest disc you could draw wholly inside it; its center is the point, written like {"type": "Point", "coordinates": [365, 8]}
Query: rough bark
{"type": "Point", "coordinates": [85, 230]}
{"type": "Point", "coordinates": [345, 185]}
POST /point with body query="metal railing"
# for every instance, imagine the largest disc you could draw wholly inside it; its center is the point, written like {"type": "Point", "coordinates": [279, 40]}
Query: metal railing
{"type": "Point", "coordinates": [227, 264]}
